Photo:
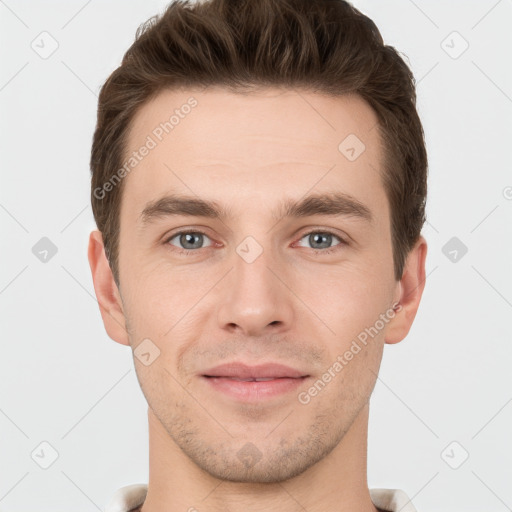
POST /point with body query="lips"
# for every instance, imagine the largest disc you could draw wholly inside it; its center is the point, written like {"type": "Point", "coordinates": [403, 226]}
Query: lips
{"type": "Point", "coordinates": [242, 383]}
{"type": "Point", "coordinates": [245, 373]}
{"type": "Point", "coordinates": [263, 379]}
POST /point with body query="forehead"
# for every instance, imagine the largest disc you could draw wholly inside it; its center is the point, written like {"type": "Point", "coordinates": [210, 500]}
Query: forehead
{"type": "Point", "coordinates": [262, 143]}
{"type": "Point", "coordinates": [178, 117]}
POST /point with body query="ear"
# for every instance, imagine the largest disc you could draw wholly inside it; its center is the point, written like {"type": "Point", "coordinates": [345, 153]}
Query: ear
{"type": "Point", "coordinates": [410, 291]}
{"type": "Point", "coordinates": [107, 293]}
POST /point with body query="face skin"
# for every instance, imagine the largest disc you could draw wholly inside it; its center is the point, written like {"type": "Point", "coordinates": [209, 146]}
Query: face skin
{"type": "Point", "coordinates": [292, 305]}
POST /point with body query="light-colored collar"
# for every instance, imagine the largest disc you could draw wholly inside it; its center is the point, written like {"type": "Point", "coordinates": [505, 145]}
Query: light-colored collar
{"type": "Point", "coordinates": [132, 496]}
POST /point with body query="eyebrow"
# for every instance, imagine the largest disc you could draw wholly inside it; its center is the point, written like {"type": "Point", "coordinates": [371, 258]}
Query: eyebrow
{"type": "Point", "coordinates": [332, 204]}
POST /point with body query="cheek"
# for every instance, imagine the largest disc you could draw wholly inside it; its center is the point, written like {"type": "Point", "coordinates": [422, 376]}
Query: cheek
{"type": "Point", "coordinates": [162, 305]}
{"type": "Point", "coordinates": [158, 292]}
{"type": "Point", "coordinates": [346, 299]}
{"type": "Point", "coordinates": [164, 392]}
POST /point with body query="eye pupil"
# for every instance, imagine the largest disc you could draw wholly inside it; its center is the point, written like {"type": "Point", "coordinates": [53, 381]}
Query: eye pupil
{"type": "Point", "coordinates": [324, 239]}
{"type": "Point", "coordinates": [188, 238]}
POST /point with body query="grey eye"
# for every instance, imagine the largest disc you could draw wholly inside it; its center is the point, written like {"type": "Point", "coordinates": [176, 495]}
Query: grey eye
{"type": "Point", "coordinates": [320, 239]}
{"type": "Point", "coordinates": [189, 240]}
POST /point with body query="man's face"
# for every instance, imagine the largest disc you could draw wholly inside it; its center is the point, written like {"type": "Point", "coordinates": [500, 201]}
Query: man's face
{"type": "Point", "coordinates": [254, 286]}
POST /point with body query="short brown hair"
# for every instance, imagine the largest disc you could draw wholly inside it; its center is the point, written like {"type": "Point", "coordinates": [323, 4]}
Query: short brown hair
{"type": "Point", "coordinates": [324, 46]}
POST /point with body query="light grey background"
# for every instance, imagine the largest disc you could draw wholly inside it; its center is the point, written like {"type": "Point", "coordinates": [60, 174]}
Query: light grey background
{"type": "Point", "coordinates": [64, 382]}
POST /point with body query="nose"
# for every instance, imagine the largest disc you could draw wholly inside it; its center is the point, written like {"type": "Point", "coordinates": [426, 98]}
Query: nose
{"type": "Point", "coordinates": [255, 302]}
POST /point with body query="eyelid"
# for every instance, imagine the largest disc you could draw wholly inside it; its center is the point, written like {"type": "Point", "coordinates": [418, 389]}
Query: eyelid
{"type": "Point", "coordinates": [343, 239]}
{"type": "Point", "coordinates": [168, 238]}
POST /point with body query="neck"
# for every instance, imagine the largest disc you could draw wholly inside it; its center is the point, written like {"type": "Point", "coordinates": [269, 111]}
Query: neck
{"type": "Point", "coordinates": [338, 482]}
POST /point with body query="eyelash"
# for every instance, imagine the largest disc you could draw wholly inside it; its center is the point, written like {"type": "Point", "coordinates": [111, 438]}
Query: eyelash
{"type": "Point", "coordinates": [186, 252]}
{"type": "Point", "coordinates": [189, 252]}
{"type": "Point", "coordinates": [329, 250]}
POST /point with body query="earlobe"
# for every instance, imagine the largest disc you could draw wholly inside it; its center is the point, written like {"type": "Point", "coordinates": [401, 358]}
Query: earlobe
{"type": "Point", "coordinates": [107, 294]}
{"type": "Point", "coordinates": [411, 287]}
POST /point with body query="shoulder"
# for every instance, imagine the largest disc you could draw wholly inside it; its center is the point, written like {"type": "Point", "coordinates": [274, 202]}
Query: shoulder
{"type": "Point", "coordinates": [391, 500]}
{"type": "Point", "coordinates": [128, 498]}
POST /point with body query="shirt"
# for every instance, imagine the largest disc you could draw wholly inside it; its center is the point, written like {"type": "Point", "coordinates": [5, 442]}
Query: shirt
{"type": "Point", "coordinates": [131, 497]}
